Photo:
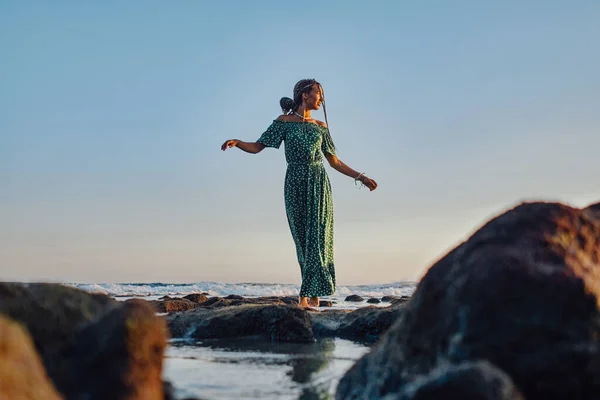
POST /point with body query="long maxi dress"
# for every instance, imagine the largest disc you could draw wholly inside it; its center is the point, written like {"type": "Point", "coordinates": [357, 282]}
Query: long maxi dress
{"type": "Point", "coordinates": [308, 200]}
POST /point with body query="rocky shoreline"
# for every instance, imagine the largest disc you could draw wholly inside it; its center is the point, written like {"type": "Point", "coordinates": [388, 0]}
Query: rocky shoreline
{"type": "Point", "coordinates": [511, 313]}
{"type": "Point", "coordinates": [84, 345]}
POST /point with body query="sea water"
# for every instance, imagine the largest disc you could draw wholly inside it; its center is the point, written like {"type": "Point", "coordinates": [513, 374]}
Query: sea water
{"type": "Point", "coordinates": [250, 368]}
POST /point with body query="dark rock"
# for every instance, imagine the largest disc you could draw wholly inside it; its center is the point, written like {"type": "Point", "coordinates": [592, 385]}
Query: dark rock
{"type": "Point", "coordinates": [593, 207]}
{"type": "Point", "coordinates": [467, 381]}
{"type": "Point", "coordinates": [391, 299]}
{"type": "Point", "coordinates": [22, 375]}
{"type": "Point", "coordinates": [172, 305]}
{"type": "Point", "coordinates": [165, 298]}
{"type": "Point", "coordinates": [90, 343]}
{"type": "Point", "coordinates": [522, 293]}
{"type": "Point", "coordinates": [325, 303]}
{"type": "Point", "coordinates": [118, 357]}
{"type": "Point", "coordinates": [234, 297]}
{"type": "Point", "coordinates": [212, 301]}
{"type": "Point", "coordinates": [291, 300]}
{"type": "Point", "coordinates": [278, 323]}
{"type": "Point", "coordinates": [401, 300]}
{"type": "Point", "coordinates": [373, 300]}
{"type": "Point", "coordinates": [365, 324]}
{"type": "Point", "coordinates": [354, 297]}
{"type": "Point", "coordinates": [52, 313]}
{"type": "Point", "coordinates": [196, 297]}
{"type": "Point", "coordinates": [272, 300]}
{"type": "Point", "coordinates": [218, 302]}
{"type": "Point", "coordinates": [169, 391]}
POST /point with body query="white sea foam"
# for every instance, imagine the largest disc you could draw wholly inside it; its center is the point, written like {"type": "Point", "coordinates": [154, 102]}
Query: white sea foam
{"type": "Point", "coordinates": [242, 289]}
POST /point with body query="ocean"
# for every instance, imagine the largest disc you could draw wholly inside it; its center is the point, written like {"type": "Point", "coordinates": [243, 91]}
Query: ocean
{"type": "Point", "coordinates": [251, 369]}
{"type": "Point", "coordinates": [152, 291]}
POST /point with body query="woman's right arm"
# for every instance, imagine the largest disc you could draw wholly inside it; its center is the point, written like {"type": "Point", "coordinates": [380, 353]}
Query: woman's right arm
{"type": "Point", "coordinates": [248, 147]}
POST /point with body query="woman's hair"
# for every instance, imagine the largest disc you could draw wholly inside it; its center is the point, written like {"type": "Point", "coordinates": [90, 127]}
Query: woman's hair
{"type": "Point", "coordinates": [303, 86]}
{"type": "Point", "coordinates": [288, 105]}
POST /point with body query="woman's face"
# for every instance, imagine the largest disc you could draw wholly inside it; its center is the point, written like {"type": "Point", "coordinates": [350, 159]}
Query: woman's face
{"type": "Point", "coordinates": [314, 98]}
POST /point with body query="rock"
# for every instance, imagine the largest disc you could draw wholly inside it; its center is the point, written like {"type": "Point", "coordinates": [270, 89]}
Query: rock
{"type": "Point", "coordinates": [475, 381]}
{"type": "Point", "coordinates": [234, 297]}
{"type": "Point", "coordinates": [392, 299]}
{"type": "Point", "coordinates": [401, 300]}
{"type": "Point", "coordinates": [91, 345]}
{"type": "Point", "coordinates": [521, 293]}
{"type": "Point", "coordinates": [373, 300]}
{"type": "Point", "coordinates": [291, 300]}
{"type": "Point", "coordinates": [217, 302]}
{"type": "Point", "coordinates": [166, 297]}
{"type": "Point", "coordinates": [212, 301]}
{"type": "Point", "coordinates": [365, 324]}
{"type": "Point", "coordinates": [196, 297]}
{"type": "Point", "coordinates": [118, 357]}
{"type": "Point", "coordinates": [354, 297]}
{"type": "Point", "coordinates": [325, 303]}
{"type": "Point", "coordinates": [593, 207]}
{"type": "Point", "coordinates": [22, 375]}
{"type": "Point", "coordinates": [172, 305]}
{"type": "Point", "coordinates": [277, 323]}
{"type": "Point", "coordinates": [52, 313]}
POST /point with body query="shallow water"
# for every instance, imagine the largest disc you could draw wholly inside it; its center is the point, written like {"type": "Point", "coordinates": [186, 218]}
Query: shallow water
{"type": "Point", "coordinates": [253, 369]}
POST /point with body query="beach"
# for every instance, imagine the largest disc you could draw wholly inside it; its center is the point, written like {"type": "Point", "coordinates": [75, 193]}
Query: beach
{"type": "Point", "coordinates": [250, 367]}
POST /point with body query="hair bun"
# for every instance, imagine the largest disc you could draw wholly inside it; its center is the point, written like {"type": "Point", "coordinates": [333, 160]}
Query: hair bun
{"type": "Point", "coordinates": [286, 104]}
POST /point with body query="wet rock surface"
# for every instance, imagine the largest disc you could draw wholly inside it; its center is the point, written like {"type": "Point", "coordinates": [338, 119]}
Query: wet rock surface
{"type": "Point", "coordinates": [476, 381]}
{"type": "Point", "coordinates": [354, 297]}
{"type": "Point", "coordinates": [521, 294]}
{"type": "Point", "coordinates": [173, 305]}
{"type": "Point", "coordinates": [278, 323]}
{"type": "Point", "coordinates": [267, 317]}
{"type": "Point", "coordinates": [196, 297]}
{"type": "Point", "coordinates": [365, 324]}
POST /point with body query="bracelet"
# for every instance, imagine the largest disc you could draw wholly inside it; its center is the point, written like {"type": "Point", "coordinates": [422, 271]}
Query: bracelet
{"type": "Point", "coordinates": [358, 178]}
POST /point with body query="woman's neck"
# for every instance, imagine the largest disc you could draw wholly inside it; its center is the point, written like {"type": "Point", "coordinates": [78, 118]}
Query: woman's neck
{"type": "Point", "coordinates": [301, 111]}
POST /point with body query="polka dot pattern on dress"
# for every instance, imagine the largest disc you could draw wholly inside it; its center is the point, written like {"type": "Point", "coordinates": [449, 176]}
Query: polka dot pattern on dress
{"type": "Point", "coordinates": [308, 200]}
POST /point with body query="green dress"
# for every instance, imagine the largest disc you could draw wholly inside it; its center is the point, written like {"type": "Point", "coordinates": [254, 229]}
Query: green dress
{"type": "Point", "coordinates": [308, 200]}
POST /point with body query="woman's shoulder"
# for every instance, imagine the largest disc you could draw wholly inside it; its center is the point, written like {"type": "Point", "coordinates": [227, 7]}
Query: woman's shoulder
{"type": "Point", "coordinates": [285, 118]}
{"type": "Point", "coordinates": [292, 118]}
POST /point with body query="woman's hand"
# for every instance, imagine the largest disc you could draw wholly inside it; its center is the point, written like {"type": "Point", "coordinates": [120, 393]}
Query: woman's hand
{"type": "Point", "coordinates": [229, 144]}
{"type": "Point", "coordinates": [368, 182]}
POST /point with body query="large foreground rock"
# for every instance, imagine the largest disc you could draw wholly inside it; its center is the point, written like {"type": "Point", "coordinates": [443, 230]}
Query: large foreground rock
{"type": "Point", "coordinates": [278, 323]}
{"type": "Point", "coordinates": [22, 375]}
{"type": "Point", "coordinates": [91, 346]}
{"type": "Point", "coordinates": [467, 381]}
{"type": "Point", "coordinates": [118, 357]}
{"type": "Point", "coordinates": [521, 294]}
{"type": "Point", "coordinates": [52, 313]}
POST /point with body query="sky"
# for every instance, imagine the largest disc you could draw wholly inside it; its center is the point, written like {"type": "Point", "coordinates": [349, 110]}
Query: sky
{"type": "Point", "coordinates": [112, 115]}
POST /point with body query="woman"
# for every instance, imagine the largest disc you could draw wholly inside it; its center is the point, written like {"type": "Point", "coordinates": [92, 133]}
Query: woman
{"type": "Point", "coordinates": [308, 200]}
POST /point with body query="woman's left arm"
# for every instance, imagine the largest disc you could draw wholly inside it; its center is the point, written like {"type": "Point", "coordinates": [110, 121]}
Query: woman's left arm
{"type": "Point", "coordinates": [339, 166]}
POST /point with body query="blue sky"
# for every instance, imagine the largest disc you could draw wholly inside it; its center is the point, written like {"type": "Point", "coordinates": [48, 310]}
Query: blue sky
{"type": "Point", "coordinates": [112, 115]}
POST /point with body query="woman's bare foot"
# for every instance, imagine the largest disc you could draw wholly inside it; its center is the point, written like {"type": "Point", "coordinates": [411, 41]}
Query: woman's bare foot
{"type": "Point", "coordinates": [314, 301]}
{"type": "Point", "coordinates": [304, 303]}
